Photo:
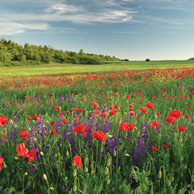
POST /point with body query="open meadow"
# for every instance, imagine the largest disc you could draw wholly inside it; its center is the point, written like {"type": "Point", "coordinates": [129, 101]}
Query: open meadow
{"type": "Point", "coordinates": [123, 127]}
{"type": "Point", "coordinates": [73, 68]}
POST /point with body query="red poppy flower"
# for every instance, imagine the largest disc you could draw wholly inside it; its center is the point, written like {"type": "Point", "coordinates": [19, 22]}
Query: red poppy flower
{"type": "Point", "coordinates": [170, 119]}
{"type": "Point", "coordinates": [116, 106]}
{"type": "Point", "coordinates": [158, 114]}
{"type": "Point", "coordinates": [187, 116]}
{"type": "Point", "coordinates": [111, 107]}
{"type": "Point", "coordinates": [56, 108]}
{"type": "Point", "coordinates": [131, 126]}
{"type": "Point", "coordinates": [79, 110]}
{"type": "Point", "coordinates": [95, 105]}
{"type": "Point", "coordinates": [32, 155]}
{"type": "Point", "coordinates": [112, 113]}
{"type": "Point", "coordinates": [22, 151]}
{"type": "Point", "coordinates": [64, 121]}
{"type": "Point", "coordinates": [131, 113]}
{"type": "Point", "coordinates": [155, 123]}
{"type": "Point", "coordinates": [150, 105]}
{"type": "Point", "coordinates": [28, 117]}
{"type": "Point", "coordinates": [165, 146]}
{"type": "Point", "coordinates": [53, 132]}
{"type": "Point", "coordinates": [73, 108]}
{"type": "Point", "coordinates": [3, 137]}
{"type": "Point", "coordinates": [79, 128]}
{"type": "Point", "coordinates": [175, 113]}
{"type": "Point", "coordinates": [124, 126]}
{"type": "Point", "coordinates": [154, 148]}
{"type": "Point", "coordinates": [62, 113]}
{"type": "Point", "coordinates": [104, 114]}
{"type": "Point", "coordinates": [3, 120]}
{"type": "Point", "coordinates": [53, 123]}
{"type": "Point", "coordinates": [24, 134]}
{"type": "Point", "coordinates": [76, 119]}
{"type": "Point", "coordinates": [143, 109]}
{"type": "Point", "coordinates": [77, 161]}
{"type": "Point", "coordinates": [89, 129]}
{"type": "Point", "coordinates": [1, 162]}
{"type": "Point", "coordinates": [181, 128]}
{"type": "Point", "coordinates": [35, 117]}
{"type": "Point", "coordinates": [97, 112]}
{"type": "Point", "coordinates": [99, 135]}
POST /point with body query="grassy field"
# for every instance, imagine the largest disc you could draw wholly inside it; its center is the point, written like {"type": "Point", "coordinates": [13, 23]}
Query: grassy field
{"type": "Point", "coordinates": [73, 68]}
{"type": "Point", "coordinates": [99, 132]}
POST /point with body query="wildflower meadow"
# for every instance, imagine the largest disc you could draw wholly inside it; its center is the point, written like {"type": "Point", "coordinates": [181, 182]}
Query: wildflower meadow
{"type": "Point", "coordinates": [98, 133]}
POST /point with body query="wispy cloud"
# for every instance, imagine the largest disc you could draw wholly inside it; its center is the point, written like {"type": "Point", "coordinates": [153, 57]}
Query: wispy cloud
{"type": "Point", "coordinates": [43, 14]}
{"type": "Point", "coordinates": [13, 28]}
{"type": "Point", "coordinates": [63, 9]}
{"type": "Point", "coordinates": [48, 11]}
{"type": "Point", "coordinates": [160, 20]}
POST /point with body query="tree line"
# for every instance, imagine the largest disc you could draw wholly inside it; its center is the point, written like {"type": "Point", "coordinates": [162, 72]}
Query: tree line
{"type": "Point", "coordinates": [12, 54]}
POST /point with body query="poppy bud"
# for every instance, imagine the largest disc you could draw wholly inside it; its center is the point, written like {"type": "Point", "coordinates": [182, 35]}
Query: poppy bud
{"type": "Point", "coordinates": [110, 136]}
{"type": "Point", "coordinates": [106, 171]}
{"type": "Point", "coordinates": [86, 169]}
{"type": "Point", "coordinates": [86, 160]}
{"type": "Point", "coordinates": [45, 177]}
{"type": "Point", "coordinates": [75, 188]}
{"type": "Point", "coordinates": [160, 174]}
{"type": "Point", "coordinates": [169, 182]}
{"type": "Point", "coordinates": [109, 162]}
{"type": "Point", "coordinates": [75, 173]}
{"type": "Point", "coordinates": [114, 153]}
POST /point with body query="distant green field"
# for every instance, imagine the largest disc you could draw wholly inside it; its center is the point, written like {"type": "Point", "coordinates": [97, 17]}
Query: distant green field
{"type": "Point", "coordinates": [73, 68]}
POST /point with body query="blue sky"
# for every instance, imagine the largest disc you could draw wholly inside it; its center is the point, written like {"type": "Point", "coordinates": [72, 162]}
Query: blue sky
{"type": "Point", "coordinates": [128, 29]}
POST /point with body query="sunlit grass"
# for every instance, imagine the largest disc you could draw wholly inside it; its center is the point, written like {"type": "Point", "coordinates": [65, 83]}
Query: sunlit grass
{"type": "Point", "coordinates": [72, 68]}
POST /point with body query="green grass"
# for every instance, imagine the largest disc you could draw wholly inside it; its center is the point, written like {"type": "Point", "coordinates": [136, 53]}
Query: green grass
{"type": "Point", "coordinates": [72, 68]}
{"type": "Point", "coordinates": [163, 171]}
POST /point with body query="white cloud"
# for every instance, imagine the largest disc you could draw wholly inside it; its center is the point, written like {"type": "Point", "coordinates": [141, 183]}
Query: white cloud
{"type": "Point", "coordinates": [78, 16]}
{"type": "Point", "coordinates": [11, 28]}
{"type": "Point", "coordinates": [63, 8]}
{"type": "Point", "coordinates": [85, 12]}
{"type": "Point", "coordinates": [159, 20]}
{"type": "Point", "coordinates": [37, 14]}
